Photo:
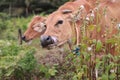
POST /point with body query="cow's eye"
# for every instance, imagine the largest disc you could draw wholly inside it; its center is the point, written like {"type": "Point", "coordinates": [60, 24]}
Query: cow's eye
{"type": "Point", "coordinates": [59, 22]}
{"type": "Point", "coordinates": [44, 27]}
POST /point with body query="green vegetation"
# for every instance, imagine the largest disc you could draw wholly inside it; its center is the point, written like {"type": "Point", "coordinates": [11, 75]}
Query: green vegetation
{"type": "Point", "coordinates": [21, 62]}
{"type": "Point", "coordinates": [18, 63]}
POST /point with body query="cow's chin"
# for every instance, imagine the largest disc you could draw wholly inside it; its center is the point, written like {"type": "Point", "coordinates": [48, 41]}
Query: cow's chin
{"type": "Point", "coordinates": [29, 42]}
{"type": "Point", "coordinates": [57, 44]}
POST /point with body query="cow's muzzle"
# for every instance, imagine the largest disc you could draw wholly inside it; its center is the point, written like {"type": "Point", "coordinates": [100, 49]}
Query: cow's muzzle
{"type": "Point", "coordinates": [25, 39]}
{"type": "Point", "coordinates": [47, 41]}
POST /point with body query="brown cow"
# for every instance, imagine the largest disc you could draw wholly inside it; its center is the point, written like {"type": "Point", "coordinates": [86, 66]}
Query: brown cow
{"type": "Point", "coordinates": [35, 29]}
{"type": "Point", "coordinates": [104, 14]}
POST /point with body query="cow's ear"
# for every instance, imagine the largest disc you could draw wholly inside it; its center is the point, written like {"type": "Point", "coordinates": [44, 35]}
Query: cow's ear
{"type": "Point", "coordinates": [65, 11]}
{"type": "Point", "coordinates": [39, 27]}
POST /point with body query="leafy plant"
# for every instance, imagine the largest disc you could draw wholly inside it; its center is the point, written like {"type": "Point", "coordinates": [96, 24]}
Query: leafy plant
{"type": "Point", "coordinates": [15, 58]}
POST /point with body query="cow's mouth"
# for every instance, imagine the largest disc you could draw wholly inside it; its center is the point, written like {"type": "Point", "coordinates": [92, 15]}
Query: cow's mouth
{"type": "Point", "coordinates": [48, 42]}
{"type": "Point", "coordinates": [28, 41]}
{"type": "Point", "coordinates": [57, 44]}
{"type": "Point", "coordinates": [51, 42]}
{"type": "Point", "coordinates": [52, 45]}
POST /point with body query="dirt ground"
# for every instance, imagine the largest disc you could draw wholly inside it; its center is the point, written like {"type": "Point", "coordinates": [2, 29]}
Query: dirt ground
{"type": "Point", "coordinates": [51, 57]}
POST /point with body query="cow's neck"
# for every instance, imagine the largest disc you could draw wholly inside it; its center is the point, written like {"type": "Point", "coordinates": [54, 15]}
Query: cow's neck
{"type": "Point", "coordinates": [78, 16]}
{"type": "Point", "coordinates": [102, 22]}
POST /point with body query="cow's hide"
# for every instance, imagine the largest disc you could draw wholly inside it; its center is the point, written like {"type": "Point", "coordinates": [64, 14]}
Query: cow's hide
{"type": "Point", "coordinates": [104, 15]}
{"type": "Point", "coordinates": [35, 29]}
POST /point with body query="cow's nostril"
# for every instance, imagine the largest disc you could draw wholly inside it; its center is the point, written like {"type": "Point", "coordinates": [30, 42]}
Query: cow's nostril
{"type": "Point", "coordinates": [23, 38]}
{"type": "Point", "coordinates": [46, 40]}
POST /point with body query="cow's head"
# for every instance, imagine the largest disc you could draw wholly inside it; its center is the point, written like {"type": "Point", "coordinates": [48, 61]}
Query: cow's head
{"type": "Point", "coordinates": [58, 29]}
{"type": "Point", "coordinates": [35, 29]}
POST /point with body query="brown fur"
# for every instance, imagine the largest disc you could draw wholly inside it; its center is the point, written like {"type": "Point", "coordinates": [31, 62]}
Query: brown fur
{"type": "Point", "coordinates": [30, 33]}
{"type": "Point", "coordinates": [64, 31]}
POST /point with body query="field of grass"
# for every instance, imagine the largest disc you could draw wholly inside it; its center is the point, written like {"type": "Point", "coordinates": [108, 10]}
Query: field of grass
{"type": "Point", "coordinates": [31, 62]}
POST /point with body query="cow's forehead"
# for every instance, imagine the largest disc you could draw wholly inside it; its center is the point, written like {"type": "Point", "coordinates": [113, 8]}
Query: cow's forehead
{"type": "Point", "coordinates": [54, 17]}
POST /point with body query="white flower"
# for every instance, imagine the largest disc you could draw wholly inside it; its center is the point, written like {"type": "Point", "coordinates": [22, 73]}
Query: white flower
{"type": "Point", "coordinates": [87, 18]}
{"type": "Point", "coordinates": [82, 7]}
{"type": "Point", "coordinates": [92, 15]}
{"type": "Point", "coordinates": [118, 26]}
{"type": "Point", "coordinates": [89, 48]}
